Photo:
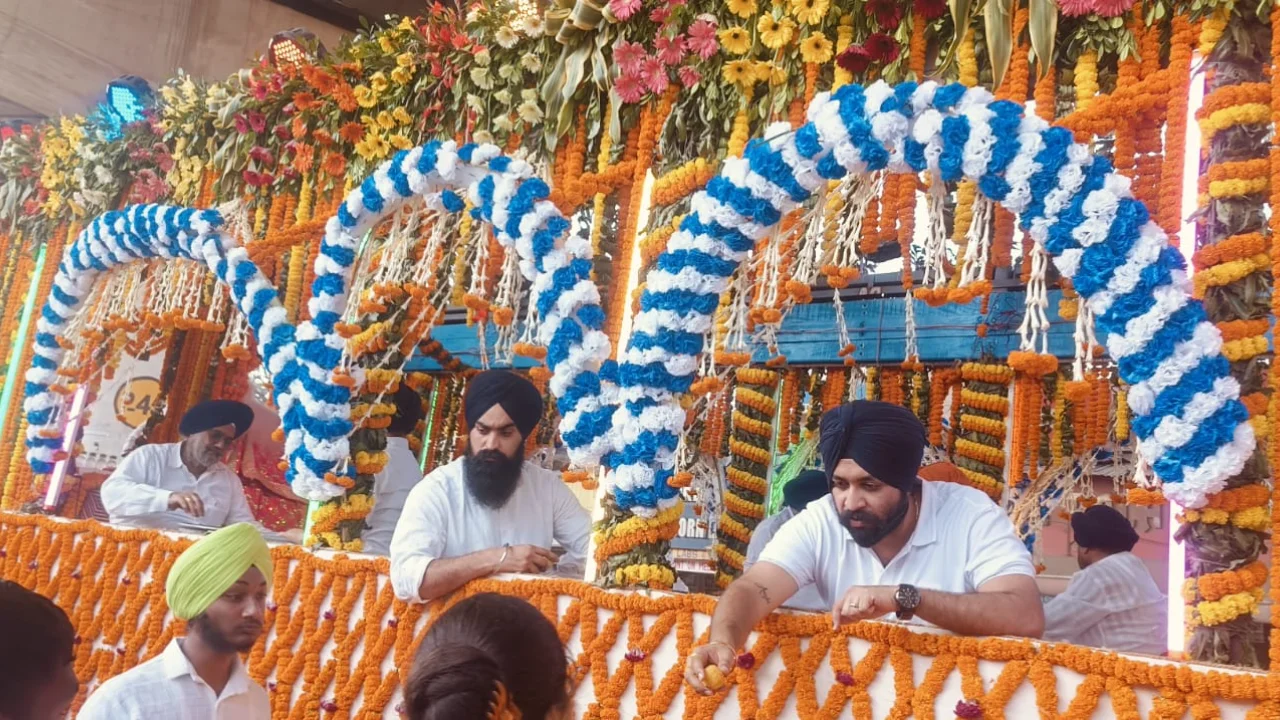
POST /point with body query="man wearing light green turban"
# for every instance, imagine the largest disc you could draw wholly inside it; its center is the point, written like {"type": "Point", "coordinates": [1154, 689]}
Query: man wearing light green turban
{"type": "Point", "coordinates": [219, 586]}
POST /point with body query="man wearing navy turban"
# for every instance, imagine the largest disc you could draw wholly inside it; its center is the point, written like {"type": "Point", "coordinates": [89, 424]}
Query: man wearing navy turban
{"type": "Point", "coordinates": [168, 485]}
{"type": "Point", "coordinates": [885, 544]}
{"type": "Point", "coordinates": [489, 511]}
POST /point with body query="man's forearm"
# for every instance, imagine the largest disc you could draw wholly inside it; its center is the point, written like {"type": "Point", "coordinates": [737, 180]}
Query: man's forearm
{"type": "Point", "coordinates": [989, 613]}
{"type": "Point", "coordinates": [444, 575]}
{"type": "Point", "coordinates": [743, 604]}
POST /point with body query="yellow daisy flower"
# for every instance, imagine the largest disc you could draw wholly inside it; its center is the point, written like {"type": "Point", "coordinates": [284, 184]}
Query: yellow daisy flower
{"type": "Point", "coordinates": [385, 121]}
{"type": "Point", "coordinates": [378, 81]}
{"type": "Point", "coordinates": [402, 116]}
{"type": "Point", "coordinates": [816, 48]}
{"type": "Point", "coordinates": [773, 33]}
{"type": "Point", "coordinates": [740, 72]}
{"type": "Point", "coordinates": [810, 12]}
{"type": "Point", "coordinates": [365, 96]}
{"type": "Point", "coordinates": [742, 8]}
{"type": "Point", "coordinates": [735, 40]}
{"type": "Point", "coordinates": [401, 76]}
{"type": "Point", "coordinates": [400, 142]}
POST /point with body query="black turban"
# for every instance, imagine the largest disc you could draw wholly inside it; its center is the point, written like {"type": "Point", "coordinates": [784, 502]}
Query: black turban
{"type": "Point", "coordinates": [886, 440]}
{"type": "Point", "coordinates": [216, 413]}
{"type": "Point", "coordinates": [517, 396]}
{"type": "Point", "coordinates": [804, 489]}
{"type": "Point", "coordinates": [1102, 527]}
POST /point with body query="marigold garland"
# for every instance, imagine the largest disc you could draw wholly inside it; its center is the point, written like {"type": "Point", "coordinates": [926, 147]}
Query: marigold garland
{"type": "Point", "coordinates": [750, 447]}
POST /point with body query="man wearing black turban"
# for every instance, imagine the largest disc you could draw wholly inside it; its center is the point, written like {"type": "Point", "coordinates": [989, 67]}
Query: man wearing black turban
{"type": "Point", "coordinates": [1112, 602]}
{"type": "Point", "coordinates": [885, 544]}
{"type": "Point", "coordinates": [168, 485]}
{"type": "Point", "coordinates": [489, 511]}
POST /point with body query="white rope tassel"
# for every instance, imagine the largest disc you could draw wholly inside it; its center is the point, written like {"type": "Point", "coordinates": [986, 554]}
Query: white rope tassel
{"type": "Point", "coordinates": [935, 242]}
{"type": "Point", "coordinates": [1035, 321]}
{"type": "Point", "coordinates": [978, 241]}
{"type": "Point", "coordinates": [913, 349]}
{"type": "Point", "coordinates": [1085, 339]}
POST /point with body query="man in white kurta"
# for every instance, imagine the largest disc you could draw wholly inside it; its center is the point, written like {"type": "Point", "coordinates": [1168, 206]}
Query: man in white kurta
{"type": "Point", "coordinates": [167, 485]}
{"type": "Point", "coordinates": [806, 487]}
{"type": "Point", "coordinates": [488, 511]}
{"type": "Point", "coordinates": [1113, 602]}
{"type": "Point", "coordinates": [402, 472]}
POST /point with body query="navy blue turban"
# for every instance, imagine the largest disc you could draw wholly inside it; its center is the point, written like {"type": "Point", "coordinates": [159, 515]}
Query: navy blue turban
{"type": "Point", "coordinates": [518, 397]}
{"type": "Point", "coordinates": [804, 489]}
{"type": "Point", "coordinates": [216, 413]}
{"type": "Point", "coordinates": [886, 440]}
{"type": "Point", "coordinates": [1102, 527]}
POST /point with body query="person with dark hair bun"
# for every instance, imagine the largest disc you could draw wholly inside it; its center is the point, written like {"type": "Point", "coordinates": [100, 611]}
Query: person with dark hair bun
{"type": "Point", "coordinates": [393, 482]}
{"type": "Point", "coordinates": [37, 646]}
{"type": "Point", "coordinates": [490, 656]}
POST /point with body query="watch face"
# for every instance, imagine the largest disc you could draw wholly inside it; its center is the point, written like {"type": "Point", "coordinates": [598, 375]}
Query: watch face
{"type": "Point", "coordinates": [908, 598]}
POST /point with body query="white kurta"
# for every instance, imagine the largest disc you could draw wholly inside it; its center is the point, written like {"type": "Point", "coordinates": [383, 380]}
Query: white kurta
{"type": "Point", "coordinates": [806, 598]}
{"type": "Point", "coordinates": [391, 489]}
{"type": "Point", "coordinates": [442, 520]}
{"type": "Point", "coordinates": [137, 493]}
{"type": "Point", "coordinates": [962, 541]}
{"type": "Point", "coordinates": [1113, 604]}
{"type": "Point", "coordinates": [167, 686]}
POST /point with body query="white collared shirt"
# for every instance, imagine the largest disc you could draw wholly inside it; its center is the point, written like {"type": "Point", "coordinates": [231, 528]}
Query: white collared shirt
{"type": "Point", "coordinates": [962, 541]}
{"type": "Point", "coordinates": [442, 520]}
{"type": "Point", "coordinates": [167, 686]}
{"type": "Point", "coordinates": [391, 488]}
{"type": "Point", "coordinates": [806, 598]}
{"type": "Point", "coordinates": [1114, 604]}
{"type": "Point", "coordinates": [137, 493]}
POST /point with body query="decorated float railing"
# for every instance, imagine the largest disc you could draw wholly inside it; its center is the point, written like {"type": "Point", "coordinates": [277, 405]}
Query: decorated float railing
{"type": "Point", "coordinates": [338, 644]}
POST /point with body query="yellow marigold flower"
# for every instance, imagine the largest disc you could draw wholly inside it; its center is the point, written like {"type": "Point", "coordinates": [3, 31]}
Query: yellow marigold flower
{"type": "Point", "coordinates": [775, 34]}
{"type": "Point", "coordinates": [400, 142]}
{"type": "Point", "coordinates": [816, 48]}
{"type": "Point", "coordinates": [735, 40]}
{"type": "Point", "coordinates": [742, 8]}
{"type": "Point", "coordinates": [401, 76]}
{"type": "Point", "coordinates": [810, 12]}
{"type": "Point", "coordinates": [378, 81]}
{"type": "Point", "coordinates": [402, 116]}
{"type": "Point", "coordinates": [404, 60]}
{"type": "Point", "coordinates": [385, 121]}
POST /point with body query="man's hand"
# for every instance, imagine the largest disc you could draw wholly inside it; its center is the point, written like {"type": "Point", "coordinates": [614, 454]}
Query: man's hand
{"type": "Point", "coordinates": [864, 603]}
{"type": "Point", "coordinates": [716, 654]}
{"type": "Point", "coordinates": [187, 502]}
{"type": "Point", "coordinates": [524, 559]}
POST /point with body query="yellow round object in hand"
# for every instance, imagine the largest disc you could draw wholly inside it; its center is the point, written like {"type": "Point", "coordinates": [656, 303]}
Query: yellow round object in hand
{"type": "Point", "coordinates": [713, 677]}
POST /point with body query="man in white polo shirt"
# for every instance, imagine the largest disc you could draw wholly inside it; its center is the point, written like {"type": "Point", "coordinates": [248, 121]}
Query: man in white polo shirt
{"type": "Point", "coordinates": [885, 543]}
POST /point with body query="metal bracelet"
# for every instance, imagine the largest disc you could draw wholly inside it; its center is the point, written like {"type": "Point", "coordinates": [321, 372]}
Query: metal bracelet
{"type": "Point", "coordinates": [506, 550]}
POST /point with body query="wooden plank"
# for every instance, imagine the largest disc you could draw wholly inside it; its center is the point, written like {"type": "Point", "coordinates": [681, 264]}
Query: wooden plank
{"type": "Point", "coordinates": [876, 325]}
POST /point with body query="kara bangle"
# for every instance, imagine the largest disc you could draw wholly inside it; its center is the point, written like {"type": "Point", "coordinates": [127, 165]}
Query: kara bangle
{"type": "Point", "coordinates": [506, 550]}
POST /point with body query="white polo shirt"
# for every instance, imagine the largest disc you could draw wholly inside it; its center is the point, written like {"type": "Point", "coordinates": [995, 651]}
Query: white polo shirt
{"type": "Point", "coordinates": [962, 541]}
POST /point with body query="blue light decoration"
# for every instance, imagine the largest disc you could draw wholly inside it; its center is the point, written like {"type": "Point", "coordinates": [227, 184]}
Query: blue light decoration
{"type": "Point", "coordinates": [129, 98]}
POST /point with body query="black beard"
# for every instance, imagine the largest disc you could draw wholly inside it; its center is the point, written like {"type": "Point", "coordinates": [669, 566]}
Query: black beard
{"type": "Point", "coordinates": [491, 476]}
{"type": "Point", "coordinates": [875, 528]}
{"type": "Point", "coordinates": [215, 639]}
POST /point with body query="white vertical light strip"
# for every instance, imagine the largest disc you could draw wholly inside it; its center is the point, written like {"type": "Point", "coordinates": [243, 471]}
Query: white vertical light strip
{"type": "Point", "coordinates": [68, 446]}
{"type": "Point", "coordinates": [624, 335]}
{"type": "Point", "coordinates": [1187, 235]}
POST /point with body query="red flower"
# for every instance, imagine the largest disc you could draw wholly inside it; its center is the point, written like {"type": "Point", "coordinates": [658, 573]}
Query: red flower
{"type": "Point", "coordinates": [888, 13]}
{"type": "Point", "coordinates": [242, 124]}
{"type": "Point", "coordinates": [6, 132]}
{"type": "Point", "coordinates": [746, 661]}
{"type": "Point", "coordinates": [882, 48]}
{"type": "Point", "coordinates": [930, 9]}
{"type": "Point", "coordinates": [251, 178]}
{"type": "Point", "coordinates": [257, 121]}
{"type": "Point", "coordinates": [261, 154]}
{"type": "Point", "coordinates": [845, 679]}
{"type": "Point", "coordinates": [281, 131]}
{"type": "Point", "coordinates": [968, 710]}
{"type": "Point", "coordinates": [855, 59]}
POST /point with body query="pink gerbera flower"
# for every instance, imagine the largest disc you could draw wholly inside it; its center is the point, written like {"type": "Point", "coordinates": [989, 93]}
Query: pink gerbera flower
{"type": "Point", "coordinates": [629, 88]}
{"type": "Point", "coordinates": [654, 74]}
{"type": "Point", "coordinates": [1075, 8]}
{"type": "Point", "coordinates": [1112, 8]}
{"type": "Point", "coordinates": [660, 15]}
{"type": "Point", "coordinates": [702, 39]}
{"type": "Point", "coordinates": [629, 56]}
{"type": "Point", "coordinates": [670, 50]}
{"type": "Point", "coordinates": [624, 9]}
{"type": "Point", "coordinates": [689, 76]}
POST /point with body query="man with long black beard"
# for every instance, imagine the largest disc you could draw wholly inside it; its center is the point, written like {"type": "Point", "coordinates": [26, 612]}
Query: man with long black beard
{"type": "Point", "coordinates": [489, 511]}
{"type": "Point", "coordinates": [887, 544]}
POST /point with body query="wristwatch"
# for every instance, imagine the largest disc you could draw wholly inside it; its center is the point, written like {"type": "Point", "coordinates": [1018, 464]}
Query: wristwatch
{"type": "Point", "coordinates": [908, 599]}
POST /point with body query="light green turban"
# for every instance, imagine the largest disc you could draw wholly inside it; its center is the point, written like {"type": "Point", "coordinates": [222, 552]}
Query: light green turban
{"type": "Point", "coordinates": [208, 568]}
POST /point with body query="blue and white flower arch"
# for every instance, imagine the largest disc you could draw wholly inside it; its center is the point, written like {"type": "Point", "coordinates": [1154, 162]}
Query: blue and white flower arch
{"type": "Point", "coordinates": [1187, 414]}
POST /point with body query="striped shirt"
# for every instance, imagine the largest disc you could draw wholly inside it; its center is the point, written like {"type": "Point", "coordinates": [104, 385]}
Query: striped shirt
{"type": "Point", "coordinates": [1112, 604]}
